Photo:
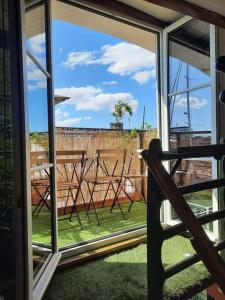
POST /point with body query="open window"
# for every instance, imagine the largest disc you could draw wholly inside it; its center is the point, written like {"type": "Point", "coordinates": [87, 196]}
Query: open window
{"type": "Point", "coordinates": [190, 106]}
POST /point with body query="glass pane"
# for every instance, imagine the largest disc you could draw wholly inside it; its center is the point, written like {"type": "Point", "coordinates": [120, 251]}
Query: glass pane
{"type": "Point", "coordinates": [190, 111]}
{"type": "Point", "coordinates": [40, 171]}
{"type": "Point", "coordinates": [7, 194]}
{"type": "Point", "coordinates": [189, 56]}
{"type": "Point", "coordinates": [35, 33]}
{"type": "Point", "coordinates": [91, 78]}
{"type": "Point", "coordinates": [38, 108]}
{"type": "Point", "coordinates": [41, 215]}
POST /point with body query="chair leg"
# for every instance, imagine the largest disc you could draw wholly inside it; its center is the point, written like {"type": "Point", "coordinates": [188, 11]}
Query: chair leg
{"type": "Point", "coordinates": [41, 203]}
{"type": "Point", "coordinates": [85, 204]}
{"type": "Point", "coordinates": [116, 199]}
{"type": "Point", "coordinates": [67, 199]}
{"type": "Point", "coordinates": [103, 202]}
{"type": "Point", "coordinates": [92, 201]}
{"type": "Point", "coordinates": [75, 208]}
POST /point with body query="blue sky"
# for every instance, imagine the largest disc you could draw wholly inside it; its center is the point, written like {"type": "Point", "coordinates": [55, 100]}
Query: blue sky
{"type": "Point", "coordinates": [96, 70]}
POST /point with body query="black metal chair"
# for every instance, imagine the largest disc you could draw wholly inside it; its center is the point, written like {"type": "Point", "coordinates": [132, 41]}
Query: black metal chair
{"type": "Point", "coordinates": [109, 171]}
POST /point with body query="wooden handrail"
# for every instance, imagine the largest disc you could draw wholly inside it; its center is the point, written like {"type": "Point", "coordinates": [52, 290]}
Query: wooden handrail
{"type": "Point", "coordinates": [161, 182]}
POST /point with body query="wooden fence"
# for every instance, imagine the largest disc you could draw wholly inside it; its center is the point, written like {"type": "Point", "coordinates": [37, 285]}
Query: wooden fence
{"type": "Point", "coordinates": [93, 139]}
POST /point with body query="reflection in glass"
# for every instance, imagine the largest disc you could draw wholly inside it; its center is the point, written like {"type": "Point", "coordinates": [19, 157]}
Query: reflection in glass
{"type": "Point", "coordinates": [189, 56]}
{"type": "Point", "coordinates": [40, 172]}
{"type": "Point", "coordinates": [190, 106]}
{"type": "Point", "coordinates": [35, 33]}
{"type": "Point", "coordinates": [41, 214]}
{"type": "Point", "coordinates": [38, 108]}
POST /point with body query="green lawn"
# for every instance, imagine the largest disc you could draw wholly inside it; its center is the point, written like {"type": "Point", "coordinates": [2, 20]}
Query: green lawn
{"type": "Point", "coordinates": [70, 232]}
{"type": "Point", "coordinates": [123, 276]}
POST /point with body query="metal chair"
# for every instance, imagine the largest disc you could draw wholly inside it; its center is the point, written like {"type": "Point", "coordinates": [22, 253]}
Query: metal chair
{"type": "Point", "coordinates": [109, 170]}
{"type": "Point", "coordinates": [70, 167]}
{"type": "Point", "coordinates": [40, 182]}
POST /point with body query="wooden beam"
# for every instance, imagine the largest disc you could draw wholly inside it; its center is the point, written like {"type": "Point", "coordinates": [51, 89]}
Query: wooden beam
{"type": "Point", "coordinates": [192, 10]}
{"type": "Point", "coordinates": [120, 10]}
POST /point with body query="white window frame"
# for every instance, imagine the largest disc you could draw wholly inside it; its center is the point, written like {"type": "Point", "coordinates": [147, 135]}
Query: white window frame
{"type": "Point", "coordinates": [167, 208]}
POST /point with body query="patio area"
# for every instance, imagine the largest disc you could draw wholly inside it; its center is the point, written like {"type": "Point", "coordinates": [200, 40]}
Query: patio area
{"type": "Point", "coordinates": [70, 233]}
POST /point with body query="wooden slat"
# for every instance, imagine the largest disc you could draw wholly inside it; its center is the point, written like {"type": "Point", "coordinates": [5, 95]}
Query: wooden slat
{"type": "Point", "coordinates": [112, 151]}
{"type": "Point", "coordinates": [192, 10]}
{"type": "Point", "coordinates": [216, 151]}
{"type": "Point", "coordinates": [70, 161]}
{"type": "Point", "coordinates": [70, 152]}
{"type": "Point", "coordinates": [38, 153]}
{"type": "Point", "coordinates": [194, 290]}
{"type": "Point", "coordinates": [36, 161]}
{"type": "Point", "coordinates": [121, 10]}
{"type": "Point", "coordinates": [188, 262]}
{"type": "Point", "coordinates": [203, 246]}
{"type": "Point", "coordinates": [180, 228]}
{"type": "Point", "coordinates": [193, 188]}
{"type": "Point", "coordinates": [197, 187]}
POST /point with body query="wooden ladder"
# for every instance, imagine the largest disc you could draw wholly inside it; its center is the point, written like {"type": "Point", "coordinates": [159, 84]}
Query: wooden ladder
{"type": "Point", "coordinates": [162, 187]}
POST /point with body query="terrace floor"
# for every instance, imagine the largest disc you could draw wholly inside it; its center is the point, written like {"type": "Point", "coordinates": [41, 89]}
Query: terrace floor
{"type": "Point", "coordinates": [123, 276]}
{"type": "Point", "coordinates": [70, 232]}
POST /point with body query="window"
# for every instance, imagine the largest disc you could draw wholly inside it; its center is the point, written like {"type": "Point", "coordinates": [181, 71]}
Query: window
{"type": "Point", "coordinates": [189, 102]}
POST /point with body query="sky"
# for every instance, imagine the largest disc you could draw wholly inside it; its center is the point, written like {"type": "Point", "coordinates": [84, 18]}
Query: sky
{"type": "Point", "coordinates": [97, 70]}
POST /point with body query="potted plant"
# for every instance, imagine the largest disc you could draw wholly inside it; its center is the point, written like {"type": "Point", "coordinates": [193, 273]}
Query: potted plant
{"type": "Point", "coordinates": [120, 109]}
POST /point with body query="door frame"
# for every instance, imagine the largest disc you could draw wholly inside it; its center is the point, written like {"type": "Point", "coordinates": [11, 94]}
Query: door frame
{"type": "Point", "coordinates": [165, 109]}
{"type": "Point", "coordinates": [37, 286]}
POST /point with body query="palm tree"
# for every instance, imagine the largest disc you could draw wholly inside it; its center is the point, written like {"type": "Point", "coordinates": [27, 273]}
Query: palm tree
{"type": "Point", "coordinates": [120, 109]}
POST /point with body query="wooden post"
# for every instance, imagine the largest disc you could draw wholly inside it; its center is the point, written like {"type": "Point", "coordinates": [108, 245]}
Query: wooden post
{"type": "Point", "coordinates": [154, 238]}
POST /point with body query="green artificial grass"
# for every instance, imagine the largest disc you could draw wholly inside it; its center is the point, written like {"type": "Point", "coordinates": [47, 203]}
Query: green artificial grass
{"type": "Point", "coordinates": [203, 198]}
{"type": "Point", "coordinates": [123, 276]}
{"type": "Point", "coordinates": [70, 233]}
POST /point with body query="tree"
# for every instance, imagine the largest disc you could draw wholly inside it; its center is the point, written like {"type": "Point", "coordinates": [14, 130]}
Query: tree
{"type": "Point", "coordinates": [120, 109]}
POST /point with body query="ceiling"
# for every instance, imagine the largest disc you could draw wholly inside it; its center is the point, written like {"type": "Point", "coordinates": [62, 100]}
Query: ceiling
{"type": "Point", "coordinates": [159, 12]}
{"type": "Point", "coordinates": [167, 15]}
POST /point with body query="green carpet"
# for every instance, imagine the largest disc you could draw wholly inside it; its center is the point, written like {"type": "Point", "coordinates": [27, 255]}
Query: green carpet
{"type": "Point", "coordinates": [123, 276]}
{"type": "Point", "coordinates": [70, 232]}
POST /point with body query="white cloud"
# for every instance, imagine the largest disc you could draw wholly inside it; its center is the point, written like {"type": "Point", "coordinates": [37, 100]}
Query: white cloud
{"type": "Point", "coordinates": [126, 59]}
{"type": "Point", "coordinates": [92, 98]}
{"type": "Point", "coordinates": [36, 79]}
{"type": "Point", "coordinates": [68, 122]}
{"type": "Point", "coordinates": [37, 44]}
{"type": "Point", "coordinates": [144, 76]}
{"type": "Point", "coordinates": [195, 102]}
{"type": "Point", "coordinates": [112, 82]}
{"type": "Point", "coordinates": [62, 119]}
{"type": "Point", "coordinates": [78, 58]}
{"type": "Point", "coordinates": [59, 114]}
{"type": "Point", "coordinates": [123, 59]}
{"type": "Point", "coordinates": [36, 86]}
